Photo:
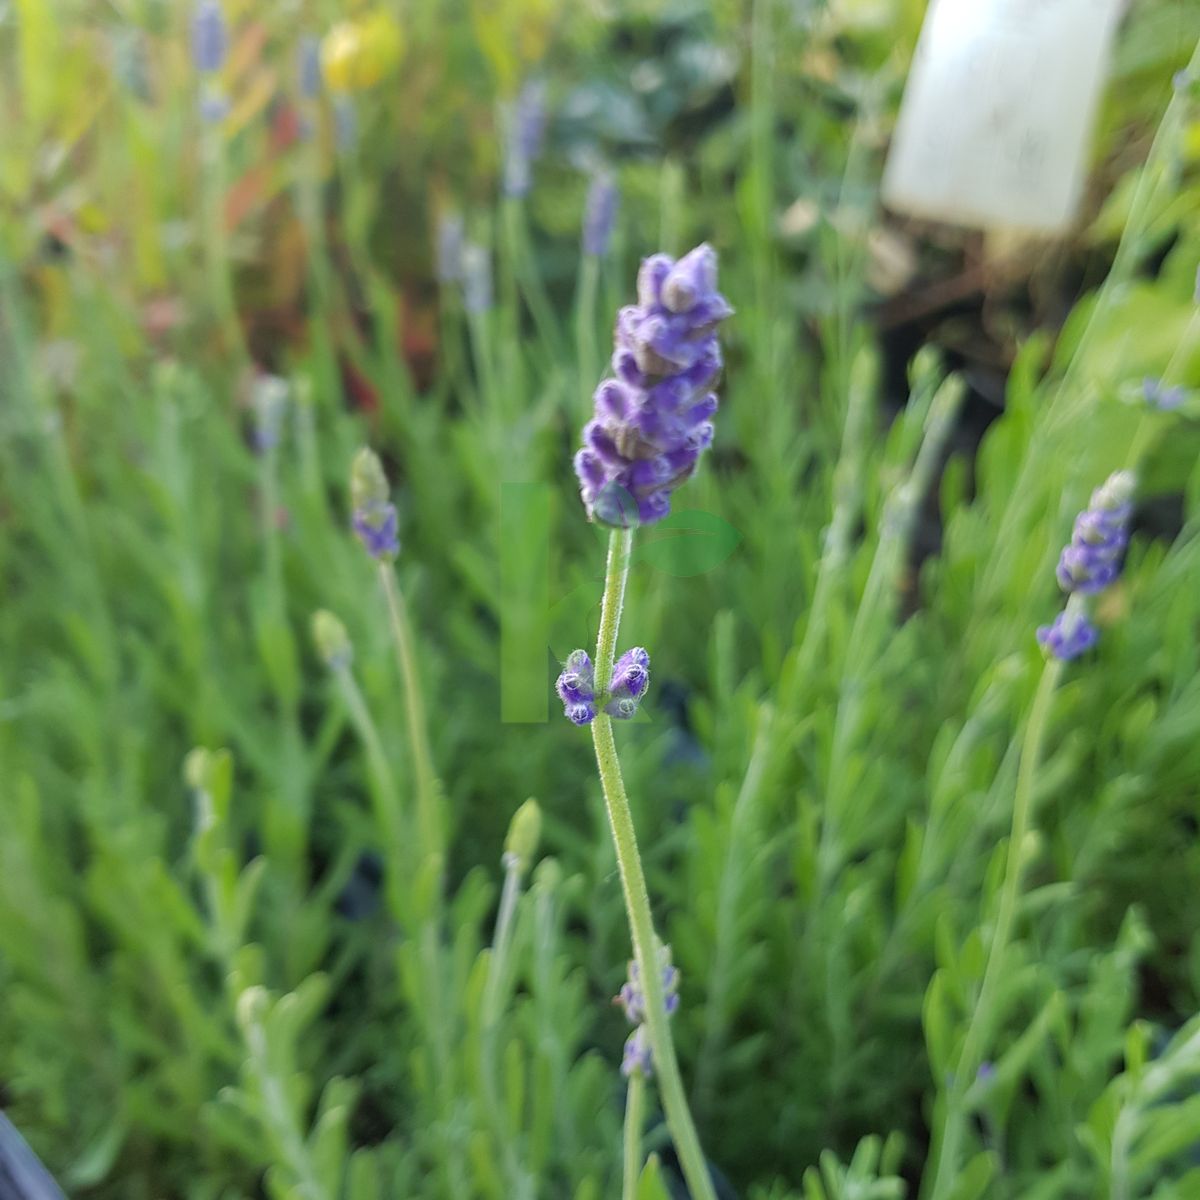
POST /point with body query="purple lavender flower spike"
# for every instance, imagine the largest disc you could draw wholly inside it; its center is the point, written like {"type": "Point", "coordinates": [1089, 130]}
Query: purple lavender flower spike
{"type": "Point", "coordinates": [527, 126]}
{"type": "Point", "coordinates": [691, 279]}
{"type": "Point", "coordinates": [637, 1056]}
{"type": "Point", "coordinates": [576, 688]}
{"type": "Point", "coordinates": [378, 531]}
{"type": "Point", "coordinates": [1070, 635]}
{"type": "Point", "coordinates": [208, 37]}
{"type": "Point", "coordinates": [1092, 560]}
{"type": "Point", "coordinates": [374, 518]}
{"type": "Point", "coordinates": [1089, 564]}
{"type": "Point", "coordinates": [600, 213]}
{"type": "Point", "coordinates": [652, 422]}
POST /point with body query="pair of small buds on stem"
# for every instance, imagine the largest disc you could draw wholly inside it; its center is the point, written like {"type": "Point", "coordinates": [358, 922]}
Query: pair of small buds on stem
{"type": "Point", "coordinates": [632, 999]}
{"type": "Point", "coordinates": [576, 686]}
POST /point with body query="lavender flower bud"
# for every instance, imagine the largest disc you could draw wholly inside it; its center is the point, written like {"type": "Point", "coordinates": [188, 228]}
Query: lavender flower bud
{"type": "Point", "coordinates": [600, 213]}
{"type": "Point", "coordinates": [637, 1057]}
{"type": "Point", "coordinates": [632, 998]}
{"type": "Point", "coordinates": [651, 423]}
{"type": "Point", "coordinates": [308, 66]}
{"type": "Point", "coordinates": [524, 832]}
{"type": "Point", "coordinates": [476, 278]}
{"type": "Point", "coordinates": [1069, 636]}
{"type": "Point", "coordinates": [374, 518]}
{"type": "Point", "coordinates": [331, 640]}
{"type": "Point", "coordinates": [527, 125]}
{"type": "Point", "coordinates": [1092, 560]}
{"type": "Point", "coordinates": [208, 36]}
{"type": "Point", "coordinates": [631, 674]}
{"type": "Point", "coordinates": [576, 688]}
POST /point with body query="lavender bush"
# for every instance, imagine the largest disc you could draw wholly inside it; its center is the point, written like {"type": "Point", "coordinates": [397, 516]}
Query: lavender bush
{"type": "Point", "coordinates": [306, 890]}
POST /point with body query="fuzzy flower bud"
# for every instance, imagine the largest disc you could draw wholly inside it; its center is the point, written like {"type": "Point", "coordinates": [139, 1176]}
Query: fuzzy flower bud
{"type": "Point", "coordinates": [600, 213]}
{"type": "Point", "coordinates": [653, 421]}
{"type": "Point", "coordinates": [576, 688]}
{"type": "Point", "coordinates": [374, 518]}
{"type": "Point", "coordinates": [637, 1056]}
{"type": "Point", "coordinates": [1092, 560]}
{"type": "Point", "coordinates": [1069, 636]}
{"type": "Point", "coordinates": [632, 998]}
{"type": "Point", "coordinates": [331, 640]}
{"type": "Point", "coordinates": [524, 832]}
{"type": "Point", "coordinates": [631, 673]}
{"type": "Point", "coordinates": [208, 37]}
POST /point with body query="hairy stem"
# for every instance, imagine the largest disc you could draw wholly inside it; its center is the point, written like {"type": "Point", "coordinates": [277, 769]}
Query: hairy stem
{"type": "Point", "coordinates": [633, 883]}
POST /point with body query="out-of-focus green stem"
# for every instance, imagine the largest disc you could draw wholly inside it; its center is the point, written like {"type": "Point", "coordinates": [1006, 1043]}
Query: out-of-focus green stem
{"type": "Point", "coordinates": [525, 271]}
{"type": "Point", "coordinates": [634, 1103]}
{"type": "Point", "coordinates": [945, 1152]}
{"type": "Point", "coordinates": [585, 329]}
{"type": "Point", "coordinates": [428, 791]}
{"type": "Point", "coordinates": [633, 883]}
{"type": "Point", "coordinates": [501, 943]}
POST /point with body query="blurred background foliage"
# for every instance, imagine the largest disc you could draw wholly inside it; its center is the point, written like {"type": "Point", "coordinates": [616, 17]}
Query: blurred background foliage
{"type": "Point", "coordinates": [229, 986]}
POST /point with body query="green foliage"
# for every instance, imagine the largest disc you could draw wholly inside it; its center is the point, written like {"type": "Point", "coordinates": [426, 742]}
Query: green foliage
{"type": "Point", "coordinates": [226, 970]}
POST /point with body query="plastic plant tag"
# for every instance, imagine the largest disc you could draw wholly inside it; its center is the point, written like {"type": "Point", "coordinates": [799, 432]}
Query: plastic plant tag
{"type": "Point", "coordinates": [994, 125]}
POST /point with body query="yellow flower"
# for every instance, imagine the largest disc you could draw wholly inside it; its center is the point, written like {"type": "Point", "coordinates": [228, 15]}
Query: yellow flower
{"type": "Point", "coordinates": [356, 55]}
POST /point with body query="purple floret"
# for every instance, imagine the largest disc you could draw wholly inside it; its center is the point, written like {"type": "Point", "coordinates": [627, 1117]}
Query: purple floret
{"type": "Point", "coordinates": [600, 213]}
{"type": "Point", "coordinates": [1092, 560]}
{"type": "Point", "coordinates": [576, 688]}
{"type": "Point", "coordinates": [653, 421]}
{"type": "Point", "coordinates": [1070, 635]}
{"type": "Point", "coordinates": [637, 1056]}
{"type": "Point", "coordinates": [208, 36]}
{"type": "Point", "coordinates": [377, 527]}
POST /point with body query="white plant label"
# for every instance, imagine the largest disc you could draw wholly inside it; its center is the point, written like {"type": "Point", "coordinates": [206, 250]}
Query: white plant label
{"type": "Point", "coordinates": [993, 129]}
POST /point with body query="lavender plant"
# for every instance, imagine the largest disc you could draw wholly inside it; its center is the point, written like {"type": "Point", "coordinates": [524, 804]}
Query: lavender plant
{"type": "Point", "coordinates": [1089, 563]}
{"type": "Point", "coordinates": [650, 427]}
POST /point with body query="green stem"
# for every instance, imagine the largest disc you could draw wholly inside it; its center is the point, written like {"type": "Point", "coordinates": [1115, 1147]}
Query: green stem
{"type": "Point", "coordinates": [946, 1152]}
{"type": "Point", "coordinates": [388, 812]}
{"type": "Point", "coordinates": [634, 1103]}
{"type": "Point", "coordinates": [525, 271]}
{"type": "Point", "coordinates": [501, 943]}
{"type": "Point", "coordinates": [633, 883]}
{"type": "Point", "coordinates": [428, 800]}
